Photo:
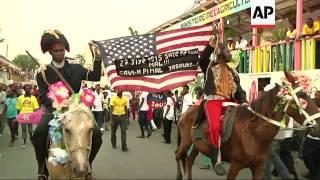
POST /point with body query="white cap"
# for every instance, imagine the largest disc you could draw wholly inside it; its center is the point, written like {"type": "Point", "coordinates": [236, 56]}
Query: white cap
{"type": "Point", "coordinates": [269, 87]}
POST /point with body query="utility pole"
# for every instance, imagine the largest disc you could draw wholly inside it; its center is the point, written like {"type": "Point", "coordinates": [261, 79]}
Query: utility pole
{"type": "Point", "coordinates": [7, 50]}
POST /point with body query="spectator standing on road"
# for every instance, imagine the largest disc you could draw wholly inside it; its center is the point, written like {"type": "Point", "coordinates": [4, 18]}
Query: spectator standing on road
{"type": "Point", "coordinates": [27, 103]}
{"type": "Point", "coordinates": [106, 111]}
{"type": "Point", "coordinates": [129, 97]}
{"type": "Point", "coordinates": [168, 117]}
{"type": "Point", "coordinates": [186, 99]}
{"type": "Point", "coordinates": [97, 108]}
{"type": "Point", "coordinates": [134, 106]}
{"type": "Point", "coordinates": [3, 96]}
{"type": "Point", "coordinates": [178, 106]}
{"type": "Point", "coordinates": [12, 112]}
{"type": "Point", "coordinates": [143, 115]}
{"type": "Point", "coordinates": [118, 108]}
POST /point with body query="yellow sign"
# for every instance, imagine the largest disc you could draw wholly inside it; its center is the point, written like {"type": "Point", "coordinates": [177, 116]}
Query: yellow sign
{"type": "Point", "coordinates": [221, 10]}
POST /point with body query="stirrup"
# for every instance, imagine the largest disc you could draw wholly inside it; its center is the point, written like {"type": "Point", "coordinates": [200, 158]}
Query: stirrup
{"type": "Point", "coordinates": [219, 169]}
{"type": "Point", "coordinates": [90, 174]}
{"type": "Point", "coordinates": [42, 177]}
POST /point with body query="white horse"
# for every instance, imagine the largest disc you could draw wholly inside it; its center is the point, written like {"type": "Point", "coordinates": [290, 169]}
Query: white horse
{"type": "Point", "coordinates": [77, 126]}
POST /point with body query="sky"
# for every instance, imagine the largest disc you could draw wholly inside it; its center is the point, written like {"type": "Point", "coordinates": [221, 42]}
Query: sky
{"type": "Point", "coordinates": [22, 22]}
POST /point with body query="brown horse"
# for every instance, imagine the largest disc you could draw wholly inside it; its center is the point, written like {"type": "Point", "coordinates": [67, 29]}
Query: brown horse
{"type": "Point", "coordinates": [250, 141]}
{"type": "Point", "coordinates": [77, 129]}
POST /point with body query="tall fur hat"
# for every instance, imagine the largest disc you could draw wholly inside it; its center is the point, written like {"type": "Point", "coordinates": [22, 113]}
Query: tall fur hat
{"type": "Point", "coordinates": [51, 37]}
{"type": "Point", "coordinates": [223, 52]}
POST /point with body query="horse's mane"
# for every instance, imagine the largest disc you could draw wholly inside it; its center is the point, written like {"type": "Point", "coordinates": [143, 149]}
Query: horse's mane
{"type": "Point", "coordinates": [80, 107]}
{"type": "Point", "coordinates": [266, 101]}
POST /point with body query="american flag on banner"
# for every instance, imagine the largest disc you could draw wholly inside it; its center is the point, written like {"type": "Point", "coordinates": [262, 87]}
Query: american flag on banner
{"type": "Point", "coordinates": [152, 44]}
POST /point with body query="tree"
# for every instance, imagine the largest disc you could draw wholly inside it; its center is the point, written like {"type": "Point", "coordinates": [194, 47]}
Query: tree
{"type": "Point", "coordinates": [228, 32]}
{"type": "Point", "coordinates": [25, 62]}
{"type": "Point", "coordinates": [278, 34]}
{"type": "Point", "coordinates": [133, 32]}
{"type": "Point", "coordinates": [81, 58]}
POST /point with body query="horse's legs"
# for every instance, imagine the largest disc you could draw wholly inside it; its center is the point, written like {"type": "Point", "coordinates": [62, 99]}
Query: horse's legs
{"type": "Point", "coordinates": [179, 173]}
{"type": "Point", "coordinates": [190, 160]}
{"type": "Point", "coordinates": [233, 170]}
{"type": "Point", "coordinates": [257, 171]}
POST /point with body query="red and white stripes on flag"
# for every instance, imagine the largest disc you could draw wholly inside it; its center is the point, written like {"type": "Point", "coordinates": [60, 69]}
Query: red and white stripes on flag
{"type": "Point", "coordinates": [151, 44]}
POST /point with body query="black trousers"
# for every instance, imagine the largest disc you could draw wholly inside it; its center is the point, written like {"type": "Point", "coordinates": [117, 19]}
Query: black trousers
{"type": "Point", "coordinates": [167, 125]}
{"type": "Point", "coordinates": [286, 157]}
{"type": "Point", "coordinates": [311, 151]}
{"type": "Point", "coordinates": [40, 137]}
{"type": "Point", "coordinates": [12, 123]}
{"type": "Point", "coordinates": [158, 117]}
{"type": "Point", "coordinates": [143, 122]}
{"type": "Point", "coordinates": [98, 116]}
{"type": "Point", "coordinates": [115, 122]}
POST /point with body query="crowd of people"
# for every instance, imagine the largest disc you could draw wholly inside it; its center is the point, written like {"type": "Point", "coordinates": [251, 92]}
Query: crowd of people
{"type": "Point", "coordinates": [112, 109]}
{"type": "Point", "coordinates": [17, 99]}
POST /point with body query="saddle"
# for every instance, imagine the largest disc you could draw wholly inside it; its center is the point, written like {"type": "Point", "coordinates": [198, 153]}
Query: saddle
{"type": "Point", "coordinates": [227, 118]}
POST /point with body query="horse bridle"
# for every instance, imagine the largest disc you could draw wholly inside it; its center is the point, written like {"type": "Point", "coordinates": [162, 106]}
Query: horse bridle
{"type": "Point", "coordinates": [310, 120]}
{"type": "Point", "coordinates": [77, 147]}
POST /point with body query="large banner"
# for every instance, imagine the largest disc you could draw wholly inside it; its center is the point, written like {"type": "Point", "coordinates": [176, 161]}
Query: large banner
{"type": "Point", "coordinates": [221, 10]}
{"type": "Point", "coordinates": [160, 64]}
{"type": "Point", "coordinates": [140, 66]}
{"type": "Point", "coordinates": [156, 100]}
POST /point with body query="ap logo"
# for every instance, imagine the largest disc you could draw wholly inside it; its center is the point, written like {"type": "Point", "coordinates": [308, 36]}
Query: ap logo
{"type": "Point", "coordinates": [263, 13]}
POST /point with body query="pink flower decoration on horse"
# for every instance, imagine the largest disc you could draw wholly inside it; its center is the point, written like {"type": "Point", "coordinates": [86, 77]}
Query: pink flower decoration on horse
{"type": "Point", "coordinates": [283, 92]}
{"type": "Point", "coordinates": [58, 93]}
{"type": "Point", "coordinates": [303, 103]}
{"type": "Point", "coordinates": [87, 97]}
{"type": "Point", "coordinates": [304, 82]}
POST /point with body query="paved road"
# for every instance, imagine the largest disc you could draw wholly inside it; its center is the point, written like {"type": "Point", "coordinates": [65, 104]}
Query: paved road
{"type": "Point", "coordinates": [146, 159]}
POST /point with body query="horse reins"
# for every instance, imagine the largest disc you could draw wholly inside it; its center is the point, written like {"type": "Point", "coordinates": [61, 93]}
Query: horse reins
{"type": "Point", "coordinates": [293, 94]}
{"type": "Point", "coordinates": [214, 52]}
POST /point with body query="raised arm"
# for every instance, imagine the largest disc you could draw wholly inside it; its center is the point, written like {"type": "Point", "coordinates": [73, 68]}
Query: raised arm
{"type": "Point", "coordinates": [95, 74]}
{"type": "Point", "coordinates": [204, 60]}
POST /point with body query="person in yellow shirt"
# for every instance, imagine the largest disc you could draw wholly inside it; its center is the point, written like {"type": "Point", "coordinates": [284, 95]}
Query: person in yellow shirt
{"type": "Point", "coordinates": [292, 32]}
{"type": "Point", "coordinates": [311, 28]}
{"type": "Point", "coordinates": [118, 109]}
{"type": "Point", "coordinates": [27, 103]}
{"type": "Point", "coordinates": [231, 44]}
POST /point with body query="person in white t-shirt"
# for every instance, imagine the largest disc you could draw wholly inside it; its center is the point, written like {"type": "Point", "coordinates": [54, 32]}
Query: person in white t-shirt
{"type": "Point", "coordinates": [186, 99]}
{"type": "Point", "coordinates": [97, 108]}
{"type": "Point", "coordinates": [241, 43]}
{"type": "Point", "coordinates": [143, 112]}
{"type": "Point", "coordinates": [168, 117]}
{"type": "Point", "coordinates": [129, 97]}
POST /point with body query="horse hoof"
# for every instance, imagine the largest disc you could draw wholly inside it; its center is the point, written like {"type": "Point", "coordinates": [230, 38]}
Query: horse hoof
{"type": "Point", "coordinates": [179, 177]}
{"type": "Point", "coordinates": [220, 170]}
